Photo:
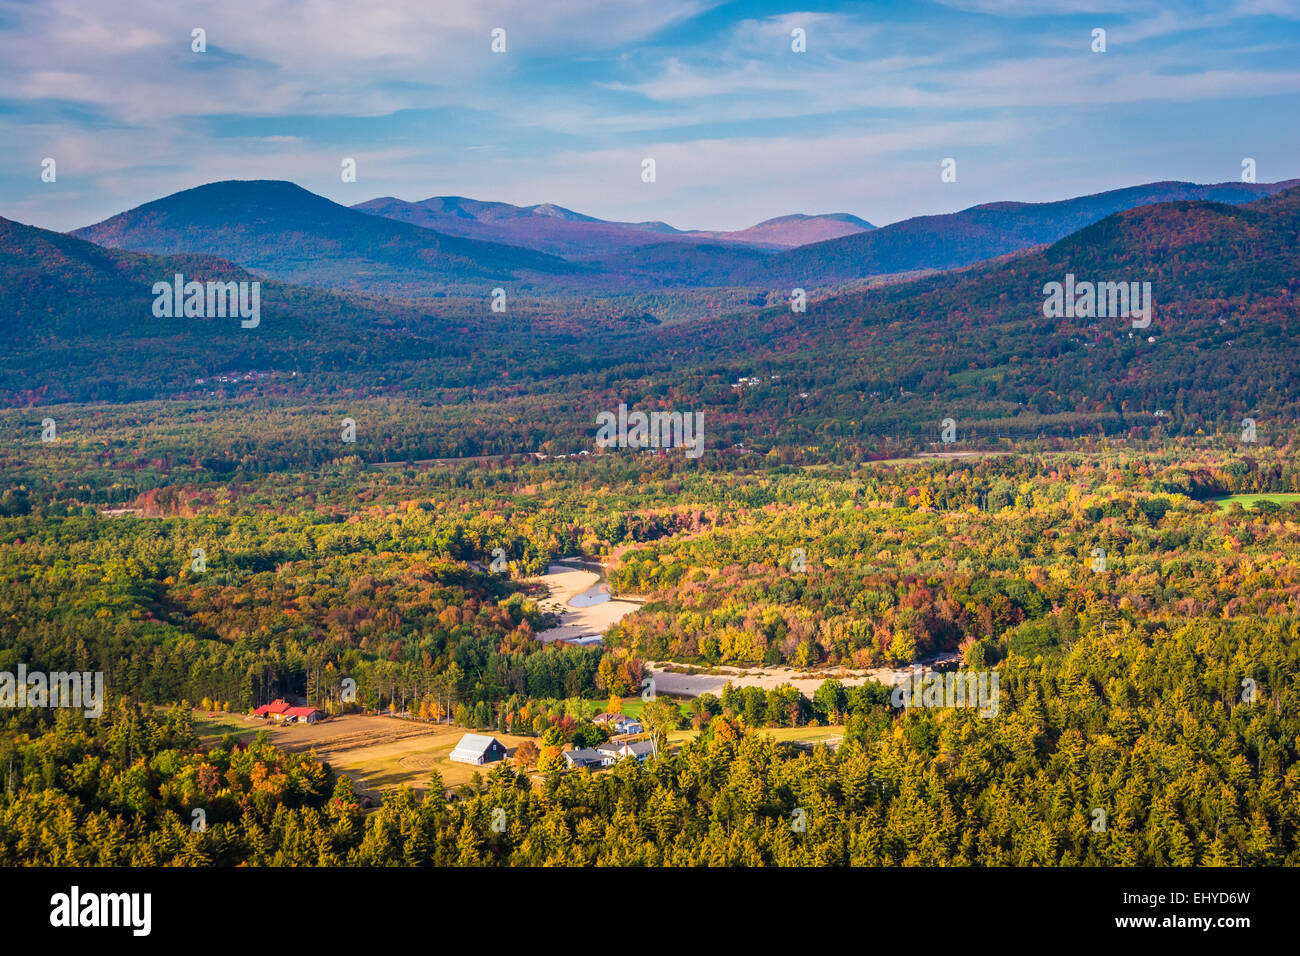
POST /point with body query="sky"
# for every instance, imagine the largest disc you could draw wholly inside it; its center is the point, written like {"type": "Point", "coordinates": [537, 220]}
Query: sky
{"type": "Point", "coordinates": [741, 127]}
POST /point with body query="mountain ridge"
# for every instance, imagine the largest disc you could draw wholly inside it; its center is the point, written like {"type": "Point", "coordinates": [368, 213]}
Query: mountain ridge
{"type": "Point", "coordinates": [1223, 336]}
{"type": "Point", "coordinates": [985, 231]}
{"type": "Point", "coordinates": [282, 230]}
{"type": "Point", "coordinates": [558, 230]}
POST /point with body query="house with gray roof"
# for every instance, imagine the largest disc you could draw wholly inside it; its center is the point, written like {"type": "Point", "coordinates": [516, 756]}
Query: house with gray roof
{"type": "Point", "coordinates": [586, 757]}
{"type": "Point", "coordinates": [616, 750]}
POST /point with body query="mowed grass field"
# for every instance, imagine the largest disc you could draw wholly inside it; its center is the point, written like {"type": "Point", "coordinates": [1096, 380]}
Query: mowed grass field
{"type": "Point", "coordinates": [632, 707]}
{"type": "Point", "coordinates": [1248, 501]}
{"type": "Point", "coordinates": [376, 752]}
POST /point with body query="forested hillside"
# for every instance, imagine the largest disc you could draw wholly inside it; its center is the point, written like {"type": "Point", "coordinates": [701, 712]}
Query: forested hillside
{"type": "Point", "coordinates": [850, 374]}
{"type": "Point", "coordinates": [983, 232]}
{"type": "Point", "coordinates": [1147, 729]}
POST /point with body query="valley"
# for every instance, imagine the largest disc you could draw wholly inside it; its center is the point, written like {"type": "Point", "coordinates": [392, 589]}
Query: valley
{"type": "Point", "coordinates": [446, 447]}
{"type": "Point", "coordinates": [401, 513]}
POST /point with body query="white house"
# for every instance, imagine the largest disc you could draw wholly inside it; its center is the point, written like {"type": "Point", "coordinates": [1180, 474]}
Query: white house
{"type": "Point", "coordinates": [614, 751]}
{"type": "Point", "coordinates": [478, 749]}
{"type": "Point", "coordinates": [619, 723]}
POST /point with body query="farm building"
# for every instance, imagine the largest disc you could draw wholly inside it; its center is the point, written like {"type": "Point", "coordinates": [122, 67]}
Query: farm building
{"type": "Point", "coordinates": [282, 710]}
{"type": "Point", "coordinates": [478, 749]}
{"type": "Point", "coordinates": [305, 715]}
{"type": "Point", "coordinates": [276, 709]}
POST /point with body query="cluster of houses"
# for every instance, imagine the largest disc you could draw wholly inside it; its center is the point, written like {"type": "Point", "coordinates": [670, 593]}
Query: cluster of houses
{"type": "Point", "coordinates": [480, 749]}
{"type": "Point", "coordinates": [581, 454]}
{"type": "Point", "coordinates": [749, 381]}
{"type": "Point", "coordinates": [283, 712]}
{"type": "Point", "coordinates": [234, 378]}
{"type": "Point", "coordinates": [608, 754]}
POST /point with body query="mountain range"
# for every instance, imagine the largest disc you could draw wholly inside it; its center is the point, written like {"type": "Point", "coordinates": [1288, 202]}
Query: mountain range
{"type": "Point", "coordinates": [279, 230]}
{"type": "Point", "coordinates": [983, 232]}
{"type": "Point", "coordinates": [1223, 342]}
{"type": "Point", "coordinates": [82, 327]}
{"type": "Point", "coordinates": [563, 232]}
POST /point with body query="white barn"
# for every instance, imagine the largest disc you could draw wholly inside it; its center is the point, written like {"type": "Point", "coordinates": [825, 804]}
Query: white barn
{"type": "Point", "coordinates": [478, 749]}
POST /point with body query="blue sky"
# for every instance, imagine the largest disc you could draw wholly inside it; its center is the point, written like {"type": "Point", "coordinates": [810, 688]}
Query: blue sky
{"type": "Point", "coordinates": [741, 127]}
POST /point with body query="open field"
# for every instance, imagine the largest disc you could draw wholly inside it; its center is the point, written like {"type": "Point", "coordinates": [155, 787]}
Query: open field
{"type": "Point", "coordinates": [376, 752]}
{"type": "Point", "coordinates": [632, 707]}
{"type": "Point", "coordinates": [380, 753]}
{"type": "Point", "coordinates": [1248, 501]}
{"type": "Point", "coordinates": [213, 728]}
{"type": "Point", "coordinates": [812, 735]}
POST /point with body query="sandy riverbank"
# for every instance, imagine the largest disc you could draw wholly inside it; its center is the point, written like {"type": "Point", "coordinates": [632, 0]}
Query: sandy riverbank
{"type": "Point", "coordinates": [806, 682]}
{"type": "Point", "coordinates": [581, 598]}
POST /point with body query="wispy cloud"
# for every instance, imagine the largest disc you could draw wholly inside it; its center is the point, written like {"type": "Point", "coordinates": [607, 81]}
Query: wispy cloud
{"type": "Point", "coordinates": [743, 127]}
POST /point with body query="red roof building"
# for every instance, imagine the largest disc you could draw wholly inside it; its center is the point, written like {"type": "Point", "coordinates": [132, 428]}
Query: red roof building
{"type": "Point", "coordinates": [308, 715]}
{"type": "Point", "coordinates": [282, 710]}
{"type": "Point", "coordinates": [276, 708]}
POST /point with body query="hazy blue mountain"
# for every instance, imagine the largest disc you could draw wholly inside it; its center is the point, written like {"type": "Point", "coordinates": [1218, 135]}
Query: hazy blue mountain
{"type": "Point", "coordinates": [561, 231]}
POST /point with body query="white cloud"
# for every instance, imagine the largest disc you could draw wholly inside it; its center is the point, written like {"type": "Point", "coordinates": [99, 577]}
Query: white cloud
{"type": "Point", "coordinates": [743, 128]}
{"type": "Point", "coordinates": [132, 58]}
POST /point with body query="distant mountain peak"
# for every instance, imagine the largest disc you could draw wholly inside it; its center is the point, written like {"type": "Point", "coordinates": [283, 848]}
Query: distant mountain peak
{"type": "Point", "coordinates": [556, 212]}
{"type": "Point", "coordinates": [282, 230]}
{"type": "Point", "coordinates": [796, 229]}
{"type": "Point", "coordinates": [270, 188]}
{"type": "Point", "coordinates": [827, 217]}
